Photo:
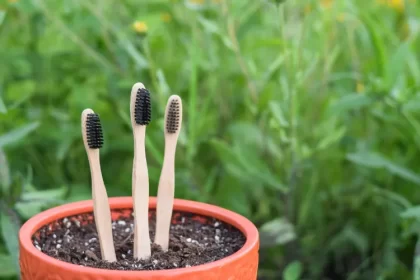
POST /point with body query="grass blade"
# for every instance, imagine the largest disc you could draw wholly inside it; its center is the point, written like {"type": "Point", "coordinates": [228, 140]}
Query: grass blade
{"type": "Point", "coordinates": [17, 134]}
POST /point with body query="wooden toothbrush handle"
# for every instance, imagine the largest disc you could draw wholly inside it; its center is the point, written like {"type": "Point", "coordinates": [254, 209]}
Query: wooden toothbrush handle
{"type": "Point", "coordinates": [102, 212]}
{"type": "Point", "coordinates": [165, 198]}
{"type": "Point", "coordinates": [141, 201]}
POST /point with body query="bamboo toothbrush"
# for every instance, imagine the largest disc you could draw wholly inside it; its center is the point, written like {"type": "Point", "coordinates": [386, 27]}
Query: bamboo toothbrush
{"type": "Point", "coordinates": [93, 140]}
{"type": "Point", "coordinates": [140, 110]}
{"type": "Point", "coordinates": [165, 199]}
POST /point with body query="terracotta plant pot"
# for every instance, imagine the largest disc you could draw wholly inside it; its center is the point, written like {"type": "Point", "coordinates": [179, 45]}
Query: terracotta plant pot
{"type": "Point", "coordinates": [241, 265]}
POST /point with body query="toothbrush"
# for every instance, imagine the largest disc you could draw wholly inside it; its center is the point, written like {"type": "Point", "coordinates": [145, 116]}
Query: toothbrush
{"type": "Point", "coordinates": [93, 140]}
{"type": "Point", "coordinates": [165, 198]}
{"type": "Point", "coordinates": [140, 110]}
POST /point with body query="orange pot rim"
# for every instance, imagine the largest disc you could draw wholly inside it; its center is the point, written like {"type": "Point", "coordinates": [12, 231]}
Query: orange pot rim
{"type": "Point", "coordinates": [35, 223]}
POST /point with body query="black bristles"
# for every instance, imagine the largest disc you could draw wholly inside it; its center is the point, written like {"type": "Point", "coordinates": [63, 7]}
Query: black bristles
{"type": "Point", "coordinates": [142, 109]}
{"type": "Point", "coordinates": [172, 119]}
{"type": "Point", "coordinates": [94, 135]}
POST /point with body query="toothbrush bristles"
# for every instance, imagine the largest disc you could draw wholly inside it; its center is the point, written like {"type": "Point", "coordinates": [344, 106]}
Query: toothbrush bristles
{"type": "Point", "coordinates": [142, 109]}
{"type": "Point", "coordinates": [172, 121]}
{"type": "Point", "coordinates": [94, 135]}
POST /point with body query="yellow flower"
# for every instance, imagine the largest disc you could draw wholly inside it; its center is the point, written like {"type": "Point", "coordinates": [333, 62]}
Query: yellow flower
{"type": "Point", "coordinates": [397, 4]}
{"type": "Point", "coordinates": [394, 4]}
{"type": "Point", "coordinates": [166, 17]}
{"type": "Point", "coordinates": [326, 4]}
{"type": "Point", "coordinates": [360, 87]}
{"type": "Point", "coordinates": [140, 26]}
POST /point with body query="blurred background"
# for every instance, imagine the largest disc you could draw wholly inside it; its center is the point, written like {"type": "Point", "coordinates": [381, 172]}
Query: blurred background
{"type": "Point", "coordinates": [301, 115]}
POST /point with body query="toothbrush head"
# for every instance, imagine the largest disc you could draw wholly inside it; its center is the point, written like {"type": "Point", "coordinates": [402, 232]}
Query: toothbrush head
{"type": "Point", "coordinates": [95, 139]}
{"type": "Point", "coordinates": [142, 107]}
{"type": "Point", "coordinates": [173, 114]}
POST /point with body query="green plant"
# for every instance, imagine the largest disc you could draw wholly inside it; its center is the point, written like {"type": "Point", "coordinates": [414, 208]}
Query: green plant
{"type": "Point", "coordinates": [301, 115]}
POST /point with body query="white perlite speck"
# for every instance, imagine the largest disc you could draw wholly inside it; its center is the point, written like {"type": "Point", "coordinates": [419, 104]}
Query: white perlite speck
{"type": "Point", "coordinates": [65, 220]}
{"type": "Point", "coordinates": [86, 259]}
{"type": "Point", "coordinates": [59, 241]}
{"type": "Point", "coordinates": [155, 262]}
{"type": "Point", "coordinates": [216, 224]}
{"type": "Point", "coordinates": [123, 256]}
{"type": "Point", "coordinates": [54, 236]}
{"type": "Point", "coordinates": [188, 240]}
{"type": "Point", "coordinates": [175, 264]}
{"type": "Point", "coordinates": [58, 246]}
{"type": "Point", "coordinates": [127, 230]}
{"type": "Point", "coordinates": [92, 240]}
{"type": "Point", "coordinates": [77, 223]}
{"type": "Point", "coordinates": [122, 223]}
{"type": "Point", "coordinates": [39, 248]}
{"type": "Point", "coordinates": [129, 252]}
{"type": "Point", "coordinates": [217, 238]}
{"type": "Point", "coordinates": [183, 220]}
{"type": "Point", "coordinates": [68, 225]}
{"type": "Point", "coordinates": [188, 265]}
{"type": "Point", "coordinates": [86, 244]}
{"type": "Point", "coordinates": [92, 249]}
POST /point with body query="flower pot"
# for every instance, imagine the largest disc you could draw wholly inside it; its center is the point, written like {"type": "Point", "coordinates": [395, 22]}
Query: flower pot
{"type": "Point", "coordinates": [241, 265]}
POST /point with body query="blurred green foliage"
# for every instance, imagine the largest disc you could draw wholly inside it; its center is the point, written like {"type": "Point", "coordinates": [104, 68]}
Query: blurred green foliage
{"type": "Point", "coordinates": [301, 115]}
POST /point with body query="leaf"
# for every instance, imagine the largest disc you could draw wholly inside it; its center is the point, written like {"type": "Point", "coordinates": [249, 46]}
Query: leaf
{"type": "Point", "coordinates": [2, 16]}
{"type": "Point", "coordinates": [30, 208]}
{"type": "Point", "coordinates": [293, 271]}
{"type": "Point", "coordinates": [45, 195]}
{"type": "Point", "coordinates": [413, 212]}
{"type": "Point", "coordinates": [209, 25]}
{"type": "Point", "coordinates": [3, 108]}
{"type": "Point", "coordinates": [272, 68]}
{"type": "Point", "coordinates": [374, 160]}
{"type": "Point", "coordinates": [332, 138]}
{"type": "Point", "coordinates": [397, 62]}
{"type": "Point", "coordinates": [276, 232]}
{"type": "Point", "coordinates": [10, 224]}
{"type": "Point", "coordinates": [349, 102]}
{"type": "Point", "coordinates": [367, 159]}
{"type": "Point", "coordinates": [5, 181]}
{"type": "Point", "coordinates": [403, 172]}
{"type": "Point", "coordinates": [17, 134]}
{"type": "Point", "coordinates": [7, 266]}
{"type": "Point", "coordinates": [396, 198]}
{"type": "Point", "coordinates": [278, 114]}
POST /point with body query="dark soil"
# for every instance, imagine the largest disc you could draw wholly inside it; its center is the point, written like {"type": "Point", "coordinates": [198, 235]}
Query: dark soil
{"type": "Point", "coordinates": [194, 240]}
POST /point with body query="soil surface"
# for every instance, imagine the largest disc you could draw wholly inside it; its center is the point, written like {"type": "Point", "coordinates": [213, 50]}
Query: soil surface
{"type": "Point", "coordinates": [194, 240]}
